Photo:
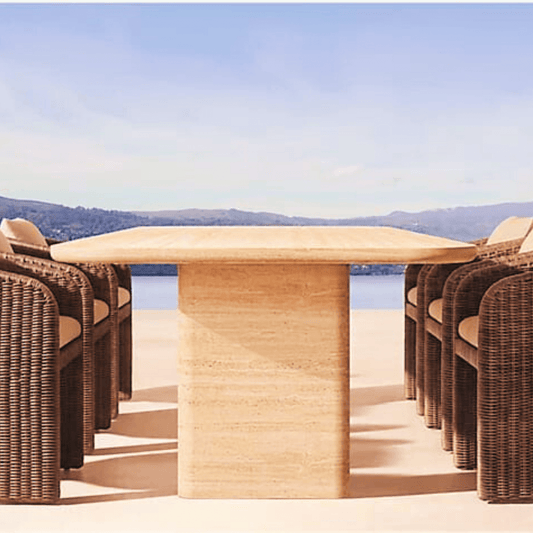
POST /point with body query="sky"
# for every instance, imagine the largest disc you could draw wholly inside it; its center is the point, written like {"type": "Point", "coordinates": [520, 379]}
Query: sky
{"type": "Point", "coordinates": [320, 110]}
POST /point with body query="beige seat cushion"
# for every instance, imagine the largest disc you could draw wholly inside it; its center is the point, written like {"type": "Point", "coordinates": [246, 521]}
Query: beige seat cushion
{"type": "Point", "coordinates": [435, 310]}
{"type": "Point", "coordinates": [23, 230]}
{"type": "Point", "coordinates": [69, 329]}
{"type": "Point", "coordinates": [411, 296]}
{"type": "Point", "coordinates": [511, 228]}
{"type": "Point", "coordinates": [469, 330]}
{"type": "Point", "coordinates": [5, 247]}
{"type": "Point", "coordinates": [124, 296]}
{"type": "Point", "coordinates": [101, 310]}
{"type": "Point", "coordinates": [527, 245]}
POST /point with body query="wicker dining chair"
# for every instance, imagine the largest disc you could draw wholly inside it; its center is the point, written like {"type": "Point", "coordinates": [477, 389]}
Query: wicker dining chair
{"type": "Point", "coordinates": [493, 378]}
{"type": "Point", "coordinates": [439, 288]}
{"type": "Point", "coordinates": [41, 385]}
{"type": "Point", "coordinates": [26, 238]}
{"type": "Point", "coordinates": [97, 321]}
{"type": "Point", "coordinates": [113, 351]}
{"type": "Point", "coordinates": [420, 380]}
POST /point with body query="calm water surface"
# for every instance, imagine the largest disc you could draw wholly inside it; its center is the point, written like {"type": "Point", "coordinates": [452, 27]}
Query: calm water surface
{"type": "Point", "coordinates": [366, 292]}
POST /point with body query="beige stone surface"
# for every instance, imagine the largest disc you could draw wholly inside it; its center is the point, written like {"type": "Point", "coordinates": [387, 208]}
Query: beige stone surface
{"type": "Point", "coordinates": [325, 244]}
{"type": "Point", "coordinates": [264, 381]}
{"type": "Point", "coordinates": [401, 480]}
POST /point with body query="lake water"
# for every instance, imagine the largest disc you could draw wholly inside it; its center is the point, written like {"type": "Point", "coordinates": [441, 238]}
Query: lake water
{"type": "Point", "coordinates": [366, 292]}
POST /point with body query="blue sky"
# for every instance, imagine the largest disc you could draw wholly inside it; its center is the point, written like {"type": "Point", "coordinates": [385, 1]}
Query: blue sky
{"type": "Point", "coordinates": [326, 110]}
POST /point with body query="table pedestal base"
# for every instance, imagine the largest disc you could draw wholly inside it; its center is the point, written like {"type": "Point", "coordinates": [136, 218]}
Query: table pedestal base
{"type": "Point", "coordinates": [264, 381]}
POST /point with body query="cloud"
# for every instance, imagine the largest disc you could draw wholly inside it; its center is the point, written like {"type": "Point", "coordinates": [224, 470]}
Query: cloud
{"type": "Point", "coordinates": [349, 171]}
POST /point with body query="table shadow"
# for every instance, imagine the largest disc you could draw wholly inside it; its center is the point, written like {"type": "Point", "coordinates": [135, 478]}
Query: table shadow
{"type": "Point", "coordinates": [137, 474]}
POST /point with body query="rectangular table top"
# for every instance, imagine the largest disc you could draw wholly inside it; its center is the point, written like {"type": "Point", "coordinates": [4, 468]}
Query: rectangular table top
{"type": "Point", "coordinates": [264, 244]}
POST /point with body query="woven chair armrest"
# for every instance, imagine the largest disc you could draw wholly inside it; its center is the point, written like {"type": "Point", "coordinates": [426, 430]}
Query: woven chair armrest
{"type": "Point", "coordinates": [32, 308]}
{"type": "Point", "coordinates": [97, 272]}
{"type": "Point", "coordinates": [123, 273]}
{"type": "Point", "coordinates": [103, 280]}
{"type": "Point", "coordinates": [473, 287]}
{"type": "Point", "coordinates": [501, 249]}
{"type": "Point", "coordinates": [437, 277]}
{"type": "Point", "coordinates": [454, 279]}
{"type": "Point", "coordinates": [69, 286]}
{"type": "Point", "coordinates": [20, 247]}
{"type": "Point", "coordinates": [524, 261]}
{"type": "Point", "coordinates": [480, 242]}
{"type": "Point", "coordinates": [505, 317]}
{"type": "Point", "coordinates": [411, 276]}
{"type": "Point", "coordinates": [38, 287]}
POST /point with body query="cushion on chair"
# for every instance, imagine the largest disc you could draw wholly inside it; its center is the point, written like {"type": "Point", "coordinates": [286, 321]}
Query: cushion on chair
{"type": "Point", "coordinates": [435, 310]}
{"type": "Point", "coordinates": [69, 329]}
{"type": "Point", "coordinates": [527, 245]}
{"type": "Point", "coordinates": [124, 296]}
{"type": "Point", "coordinates": [23, 230]}
{"type": "Point", "coordinates": [511, 228]}
{"type": "Point", "coordinates": [101, 310]}
{"type": "Point", "coordinates": [411, 296]}
{"type": "Point", "coordinates": [5, 247]}
{"type": "Point", "coordinates": [469, 330]}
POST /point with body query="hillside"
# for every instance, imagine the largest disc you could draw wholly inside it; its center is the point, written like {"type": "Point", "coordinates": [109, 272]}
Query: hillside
{"type": "Point", "coordinates": [67, 223]}
{"type": "Point", "coordinates": [462, 223]}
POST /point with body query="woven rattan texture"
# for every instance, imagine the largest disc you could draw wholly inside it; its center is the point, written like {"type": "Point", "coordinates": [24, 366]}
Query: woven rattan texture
{"type": "Point", "coordinates": [29, 391]}
{"type": "Point", "coordinates": [411, 276]}
{"type": "Point", "coordinates": [429, 349]}
{"type": "Point", "coordinates": [74, 295]}
{"type": "Point", "coordinates": [123, 373]}
{"type": "Point", "coordinates": [494, 426]}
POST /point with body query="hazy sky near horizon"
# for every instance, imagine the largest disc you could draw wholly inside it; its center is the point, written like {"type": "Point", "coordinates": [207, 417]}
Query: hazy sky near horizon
{"type": "Point", "coordinates": [323, 110]}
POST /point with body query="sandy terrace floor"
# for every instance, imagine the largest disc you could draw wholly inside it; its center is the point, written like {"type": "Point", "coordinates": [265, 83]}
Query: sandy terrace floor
{"type": "Point", "coordinates": [401, 480]}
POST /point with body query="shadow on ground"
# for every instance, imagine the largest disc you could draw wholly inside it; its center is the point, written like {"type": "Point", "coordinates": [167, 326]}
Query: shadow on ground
{"type": "Point", "coordinates": [158, 394]}
{"type": "Point", "coordinates": [149, 475]}
{"type": "Point", "coordinates": [150, 470]}
{"type": "Point", "coordinates": [138, 471]}
{"type": "Point", "coordinates": [383, 485]}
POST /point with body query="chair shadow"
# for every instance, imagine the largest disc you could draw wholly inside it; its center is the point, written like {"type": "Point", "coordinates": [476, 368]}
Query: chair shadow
{"type": "Point", "coordinates": [364, 428]}
{"type": "Point", "coordinates": [136, 473]}
{"type": "Point", "coordinates": [157, 394]}
{"type": "Point", "coordinates": [149, 475]}
{"type": "Point", "coordinates": [141, 475]}
{"type": "Point", "coordinates": [384, 485]}
{"type": "Point", "coordinates": [136, 448]}
{"type": "Point", "coordinates": [161, 424]}
{"type": "Point", "coordinates": [373, 453]}
{"type": "Point", "coordinates": [370, 453]}
{"type": "Point", "coordinates": [367, 396]}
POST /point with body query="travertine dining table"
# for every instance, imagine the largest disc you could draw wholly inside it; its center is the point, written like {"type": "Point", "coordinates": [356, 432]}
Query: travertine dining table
{"type": "Point", "coordinates": [263, 359]}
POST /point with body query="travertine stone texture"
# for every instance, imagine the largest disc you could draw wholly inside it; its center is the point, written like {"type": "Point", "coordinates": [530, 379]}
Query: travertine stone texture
{"type": "Point", "coordinates": [264, 244]}
{"type": "Point", "coordinates": [264, 381]}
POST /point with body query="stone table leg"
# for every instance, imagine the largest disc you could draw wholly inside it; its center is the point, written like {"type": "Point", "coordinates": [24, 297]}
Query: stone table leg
{"type": "Point", "coordinates": [263, 381]}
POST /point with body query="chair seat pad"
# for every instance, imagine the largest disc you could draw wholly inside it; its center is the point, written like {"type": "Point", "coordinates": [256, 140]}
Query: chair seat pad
{"type": "Point", "coordinates": [411, 296]}
{"type": "Point", "coordinates": [435, 310]}
{"type": "Point", "coordinates": [469, 330]}
{"type": "Point", "coordinates": [69, 329]}
{"type": "Point", "coordinates": [124, 296]}
{"type": "Point", "coordinates": [101, 310]}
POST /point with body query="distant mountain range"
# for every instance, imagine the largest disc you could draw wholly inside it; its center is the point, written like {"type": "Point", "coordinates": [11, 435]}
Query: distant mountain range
{"type": "Point", "coordinates": [66, 223]}
{"type": "Point", "coordinates": [461, 223]}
